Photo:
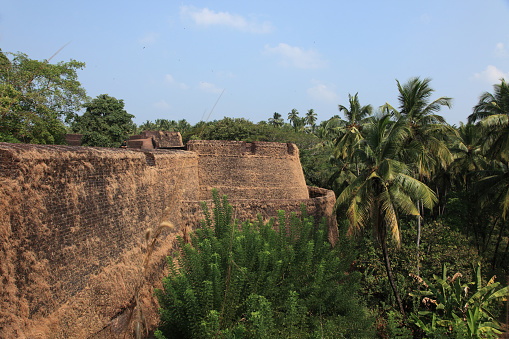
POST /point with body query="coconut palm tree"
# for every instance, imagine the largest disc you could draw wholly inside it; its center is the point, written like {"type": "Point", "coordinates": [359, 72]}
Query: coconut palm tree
{"type": "Point", "coordinates": [384, 188]}
{"type": "Point", "coordinates": [294, 118]}
{"type": "Point", "coordinates": [349, 131]}
{"type": "Point", "coordinates": [276, 120]}
{"type": "Point", "coordinates": [493, 113]}
{"type": "Point", "coordinates": [146, 126]}
{"type": "Point", "coordinates": [293, 115]}
{"type": "Point", "coordinates": [425, 145]}
{"type": "Point", "coordinates": [467, 154]}
{"type": "Point", "coordinates": [311, 119]}
{"type": "Point", "coordinates": [351, 128]}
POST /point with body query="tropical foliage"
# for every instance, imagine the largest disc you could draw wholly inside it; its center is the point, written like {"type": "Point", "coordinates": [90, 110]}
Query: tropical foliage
{"type": "Point", "coordinates": [36, 98]}
{"type": "Point", "coordinates": [384, 188]}
{"type": "Point", "coordinates": [261, 280]}
{"type": "Point", "coordinates": [460, 310]}
{"type": "Point", "coordinates": [105, 123]}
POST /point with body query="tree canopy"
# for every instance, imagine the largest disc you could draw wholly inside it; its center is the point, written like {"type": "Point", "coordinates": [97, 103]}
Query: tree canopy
{"type": "Point", "coordinates": [105, 122]}
{"type": "Point", "coordinates": [36, 97]}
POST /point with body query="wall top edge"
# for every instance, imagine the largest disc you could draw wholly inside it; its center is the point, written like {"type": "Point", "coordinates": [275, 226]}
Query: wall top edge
{"type": "Point", "coordinates": [35, 151]}
{"type": "Point", "coordinates": [229, 147]}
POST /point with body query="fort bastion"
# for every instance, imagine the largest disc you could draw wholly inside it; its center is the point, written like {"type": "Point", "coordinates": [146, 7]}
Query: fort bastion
{"type": "Point", "coordinates": [73, 222]}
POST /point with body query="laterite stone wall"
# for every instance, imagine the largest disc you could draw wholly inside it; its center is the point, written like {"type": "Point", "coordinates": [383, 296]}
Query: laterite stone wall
{"type": "Point", "coordinates": [260, 170]}
{"type": "Point", "coordinates": [73, 222]}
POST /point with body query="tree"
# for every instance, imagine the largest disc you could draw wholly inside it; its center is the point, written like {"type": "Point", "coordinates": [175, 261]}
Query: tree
{"type": "Point", "coordinates": [311, 119]}
{"type": "Point", "coordinates": [296, 121]}
{"type": "Point", "coordinates": [467, 154]}
{"type": "Point", "coordinates": [345, 135]}
{"type": "Point", "coordinates": [146, 126]}
{"type": "Point", "coordinates": [350, 130]}
{"type": "Point", "coordinates": [183, 126]}
{"type": "Point", "coordinates": [105, 123]}
{"type": "Point", "coordinates": [492, 112]}
{"type": "Point", "coordinates": [492, 115]}
{"type": "Point", "coordinates": [276, 120]}
{"type": "Point", "coordinates": [384, 188]}
{"type": "Point", "coordinates": [36, 97]}
{"type": "Point", "coordinates": [425, 145]}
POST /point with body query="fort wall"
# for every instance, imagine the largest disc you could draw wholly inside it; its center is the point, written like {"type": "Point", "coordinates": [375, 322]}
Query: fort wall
{"type": "Point", "coordinates": [73, 223]}
{"type": "Point", "coordinates": [244, 170]}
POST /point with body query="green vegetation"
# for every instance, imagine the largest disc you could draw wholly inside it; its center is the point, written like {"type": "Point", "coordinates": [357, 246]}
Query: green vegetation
{"type": "Point", "coordinates": [250, 280]}
{"type": "Point", "coordinates": [36, 97]}
{"type": "Point", "coordinates": [383, 188]}
{"type": "Point", "coordinates": [105, 123]}
{"type": "Point", "coordinates": [459, 310]}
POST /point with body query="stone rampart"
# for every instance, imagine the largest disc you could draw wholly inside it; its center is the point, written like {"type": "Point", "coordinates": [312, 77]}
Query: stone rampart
{"type": "Point", "coordinates": [73, 223]}
{"type": "Point", "coordinates": [242, 170]}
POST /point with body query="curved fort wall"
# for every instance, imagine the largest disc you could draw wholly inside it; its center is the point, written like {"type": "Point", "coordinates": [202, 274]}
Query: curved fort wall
{"type": "Point", "coordinates": [249, 170]}
{"type": "Point", "coordinates": [73, 220]}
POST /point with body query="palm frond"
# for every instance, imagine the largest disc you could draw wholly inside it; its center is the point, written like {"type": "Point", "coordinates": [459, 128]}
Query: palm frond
{"type": "Point", "coordinates": [403, 201]}
{"type": "Point", "coordinates": [389, 215]}
{"type": "Point", "coordinates": [417, 190]}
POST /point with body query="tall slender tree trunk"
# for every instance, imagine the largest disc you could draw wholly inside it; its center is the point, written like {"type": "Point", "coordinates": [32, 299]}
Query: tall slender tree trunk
{"type": "Point", "coordinates": [438, 203]}
{"type": "Point", "coordinates": [383, 243]}
{"type": "Point", "coordinates": [505, 254]}
{"type": "Point", "coordinates": [418, 234]}
{"type": "Point", "coordinates": [494, 261]}
{"type": "Point", "coordinates": [486, 243]}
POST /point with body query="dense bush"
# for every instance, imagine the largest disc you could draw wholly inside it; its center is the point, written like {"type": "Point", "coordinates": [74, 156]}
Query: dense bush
{"type": "Point", "coordinates": [439, 245]}
{"type": "Point", "coordinates": [259, 280]}
{"type": "Point", "coordinates": [457, 310]}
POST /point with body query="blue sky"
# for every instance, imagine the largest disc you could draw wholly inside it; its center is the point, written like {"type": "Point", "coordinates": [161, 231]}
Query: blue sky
{"type": "Point", "coordinates": [172, 60]}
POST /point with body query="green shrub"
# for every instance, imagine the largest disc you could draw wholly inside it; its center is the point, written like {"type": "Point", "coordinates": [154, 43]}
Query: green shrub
{"type": "Point", "coordinates": [261, 280]}
{"type": "Point", "coordinates": [460, 310]}
{"type": "Point", "coordinates": [439, 245]}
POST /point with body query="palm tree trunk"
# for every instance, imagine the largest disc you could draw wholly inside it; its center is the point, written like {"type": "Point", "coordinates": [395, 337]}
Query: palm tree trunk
{"type": "Point", "coordinates": [383, 244]}
{"type": "Point", "coordinates": [486, 243]}
{"type": "Point", "coordinates": [494, 261]}
{"type": "Point", "coordinates": [418, 234]}
{"type": "Point", "coordinates": [505, 253]}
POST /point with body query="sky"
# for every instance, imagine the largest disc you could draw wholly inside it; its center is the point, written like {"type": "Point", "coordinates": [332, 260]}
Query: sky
{"type": "Point", "coordinates": [176, 60]}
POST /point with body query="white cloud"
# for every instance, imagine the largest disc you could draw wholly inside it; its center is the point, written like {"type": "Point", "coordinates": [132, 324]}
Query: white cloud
{"type": "Point", "coordinates": [148, 39]}
{"type": "Point", "coordinates": [210, 88]}
{"type": "Point", "coordinates": [161, 105]}
{"type": "Point", "coordinates": [169, 79]}
{"type": "Point", "coordinates": [501, 50]}
{"type": "Point", "coordinates": [322, 92]}
{"type": "Point", "coordinates": [491, 75]}
{"type": "Point", "coordinates": [207, 17]}
{"type": "Point", "coordinates": [296, 56]}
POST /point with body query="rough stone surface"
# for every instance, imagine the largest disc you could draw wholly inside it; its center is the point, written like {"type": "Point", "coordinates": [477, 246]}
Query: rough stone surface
{"type": "Point", "coordinates": [155, 139]}
{"type": "Point", "coordinates": [73, 222]}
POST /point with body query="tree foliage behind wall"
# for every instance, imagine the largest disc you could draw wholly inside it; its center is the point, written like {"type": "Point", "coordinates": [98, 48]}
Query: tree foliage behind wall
{"type": "Point", "coordinates": [105, 123]}
{"type": "Point", "coordinates": [36, 97]}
